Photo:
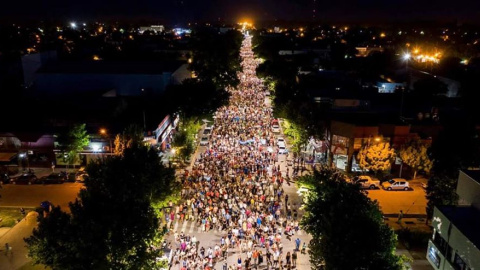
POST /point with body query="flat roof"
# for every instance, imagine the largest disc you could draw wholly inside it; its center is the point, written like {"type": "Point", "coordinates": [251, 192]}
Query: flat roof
{"type": "Point", "coordinates": [474, 174]}
{"type": "Point", "coordinates": [111, 67]}
{"type": "Point", "coordinates": [466, 219]}
{"type": "Point", "coordinates": [367, 118]}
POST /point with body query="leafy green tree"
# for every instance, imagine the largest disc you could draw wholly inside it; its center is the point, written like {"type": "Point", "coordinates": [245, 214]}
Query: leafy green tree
{"type": "Point", "coordinates": [414, 154]}
{"type": "Point", "coordinates": [114, 223]}
{"type": "Point", "coordinates": [345, 223]}
{"type": "Point", "coordinates": [376, 157]}
{"type": "Point", "coordinates": [186, 151]}
{"type": "Point", "coordinates": [74, 142]}
{"type": "Point", "coordinates": [441, 190]}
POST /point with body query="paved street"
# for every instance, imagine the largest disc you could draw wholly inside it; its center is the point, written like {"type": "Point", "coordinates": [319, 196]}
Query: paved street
{"type": "Point", "coordinates": [412, 202]}
{"type": "Point", "coordinates": [237, 176]}
{"type": "Point", "coordinates": [33, 195]}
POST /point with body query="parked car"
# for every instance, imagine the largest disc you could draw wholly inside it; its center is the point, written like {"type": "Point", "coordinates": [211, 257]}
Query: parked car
{"type": "Point", "coordinates": [366, 182]}
{"type": "Point", "coordinates": [396, 184]}
{"type": "Point", "coordinates": [275, 128]}
{"type": "Point", "coordinates": [53, 178]}
{"type": "Point", "coordinates": [4, 178]}
{"type": "Point", "coordinates": [204, 140]}
{"type": "Point", "coordinates": [26, 178]}
{"type": "Point", "coordinates": [207, 131]}
{"type": "Point", "coordinates": [280, 140]}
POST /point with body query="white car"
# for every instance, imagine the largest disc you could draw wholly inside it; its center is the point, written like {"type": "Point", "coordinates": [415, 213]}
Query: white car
{"type": "Point", "coordinates": [396, 184]}
{"type": "Point", "coordinates": [366, 182]}
{"type": "Point", "coordinates": [276, 128]}
{"type": "Point", "coordinates": [280, 140]}
{"type": "Point", "coordinates": [282, 150]}
{"type": "Point", "coordinates": [204, 140]}
{"type": "Point", "coordinates": [302, 190]}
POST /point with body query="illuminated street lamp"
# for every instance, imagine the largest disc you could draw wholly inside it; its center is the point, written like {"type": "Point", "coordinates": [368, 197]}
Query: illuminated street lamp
{"type": "Point", "coordinates": [103, 132]}
{"type": "Point", "coordinates": [406, 57]}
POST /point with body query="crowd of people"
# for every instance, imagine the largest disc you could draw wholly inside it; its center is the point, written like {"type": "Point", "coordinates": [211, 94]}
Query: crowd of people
{"type": "Point", "coordinates": [235, 187]}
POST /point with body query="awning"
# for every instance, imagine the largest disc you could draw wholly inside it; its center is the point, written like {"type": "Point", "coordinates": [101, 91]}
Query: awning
{"type": "Point", "coordinates": [7, 156]}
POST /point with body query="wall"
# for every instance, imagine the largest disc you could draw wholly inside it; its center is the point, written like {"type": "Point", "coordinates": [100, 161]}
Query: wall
{"type": "Point", "coordinates": [468, 190]}
{"type": "Point", "coordinates": [456, 240]}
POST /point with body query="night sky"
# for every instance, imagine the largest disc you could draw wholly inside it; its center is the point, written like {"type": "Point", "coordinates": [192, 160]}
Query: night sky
{"type": "Point", "coordinates": [177, 11]}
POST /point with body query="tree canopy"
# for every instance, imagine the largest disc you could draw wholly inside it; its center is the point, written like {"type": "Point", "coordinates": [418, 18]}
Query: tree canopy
{"type": "Point", "coordinates": [414, 154]}
{"type": "Point", "coordinates": [74, 141]}
{"type": "Point", "coordinates": [347, 228]}
{"type": "Point", "coordinates": [114, 223]}
{"type": "Point", "coordinates": [377, 157]}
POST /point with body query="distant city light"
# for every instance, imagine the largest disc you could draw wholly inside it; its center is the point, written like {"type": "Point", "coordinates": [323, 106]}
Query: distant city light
{"type": "Point", "coordinates": [73, 25]}
{"type": "Point", "coordinates": [407, 56]}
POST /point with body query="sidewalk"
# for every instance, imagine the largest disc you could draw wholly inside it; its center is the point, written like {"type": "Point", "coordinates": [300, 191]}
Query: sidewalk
{"type": "Point", "coordinates": [17, 256]}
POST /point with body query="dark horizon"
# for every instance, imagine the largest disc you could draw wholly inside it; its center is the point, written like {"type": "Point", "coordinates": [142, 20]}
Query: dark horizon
{"type": "Point", "coordinates": [176, 12]}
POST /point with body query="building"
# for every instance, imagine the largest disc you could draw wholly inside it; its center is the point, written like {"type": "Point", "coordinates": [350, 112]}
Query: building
{"type": "Point", "coordinates": [120, 78]}
{"type": "Point", "coordinates": [164, 130]}
{"type": "Point", "coordinates": [455, 242]}
{"type": "Point", "coordinates": [348, 133]}
{"type": "Point", "coordinates": [389, 87]}
{"type": "Point", "coordinates": [157, 29]}
{"type": "Point", "coordinates": [26, 149]}
{"type": "Point", "coordinates": [366, 51]}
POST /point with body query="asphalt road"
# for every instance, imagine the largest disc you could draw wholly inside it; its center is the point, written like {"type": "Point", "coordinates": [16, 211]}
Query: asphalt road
{"type": "Point", "coordinates": [32, 195]}
{"type": "Point", "coordinates": [412, 202]}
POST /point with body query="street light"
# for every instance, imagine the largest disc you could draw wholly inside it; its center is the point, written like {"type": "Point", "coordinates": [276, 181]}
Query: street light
{"type": "Point", "coordinates": [406, 57]}
{"type": "Point", "coordinates": [103, 132]}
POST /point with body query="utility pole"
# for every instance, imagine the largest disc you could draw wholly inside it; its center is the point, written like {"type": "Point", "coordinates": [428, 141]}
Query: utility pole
{"type": "Point", "coordinates": [406, 58]}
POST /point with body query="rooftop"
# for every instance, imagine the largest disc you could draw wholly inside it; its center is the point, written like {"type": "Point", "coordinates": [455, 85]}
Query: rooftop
{"type": "Point", "coordinates": [466, 219]}
{"type": "Point", "coordinates": [107, 67]}
{"type": "Point", "coordinates": [474, 174]}
{"type": "Point", "coordinates": [367, 118]}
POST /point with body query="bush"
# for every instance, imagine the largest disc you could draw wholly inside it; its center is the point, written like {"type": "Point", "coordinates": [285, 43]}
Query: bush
{"type": "Point", "coordinates": [413, 238]}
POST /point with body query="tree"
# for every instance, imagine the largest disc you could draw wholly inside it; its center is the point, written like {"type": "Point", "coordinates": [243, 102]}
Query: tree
{"type": "Point", "coordinates": [441, 190]}
{"type": "Point", "coordinates": [216, 57]}
{"type": "Point", "coordinates": [344, 223]}
{"type": "Point", "coordinates": [114, 223]}
{"type": "Point", "coordinates": [414, 154]}
{"type": "Point", "coordinates": [186, 151]}
{"type": "Point", "coordinates": [376, 157]}
{"type": "Point", "coordinates": [119, 145]}
{"type": "Point", "coordinates": [456, 148]}
{"type": "Point", "coordinates": [74, 142]}
{"type": "Point", "coordinates": [131, 136]}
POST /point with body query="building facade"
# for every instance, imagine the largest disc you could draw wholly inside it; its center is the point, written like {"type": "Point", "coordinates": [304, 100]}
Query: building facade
{"type": "Point", "coordinates": [455, 243]}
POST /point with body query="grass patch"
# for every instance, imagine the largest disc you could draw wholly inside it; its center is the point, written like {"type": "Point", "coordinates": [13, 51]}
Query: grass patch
{"type": "Point", "coordinates": [10, 216]}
